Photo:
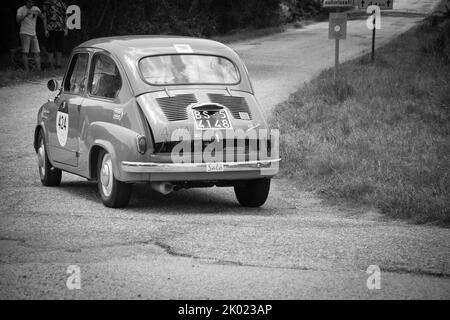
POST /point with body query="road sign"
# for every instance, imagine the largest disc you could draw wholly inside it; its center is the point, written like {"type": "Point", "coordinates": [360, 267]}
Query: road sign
{"type": "Point", "coordinates": [338, 3]}
{"type": "Point", "coordinates": [338, 26]}
{"type": "Point", "coordinates": [383, 4]}
{"type": "Point", "coordinates": [337, 30]}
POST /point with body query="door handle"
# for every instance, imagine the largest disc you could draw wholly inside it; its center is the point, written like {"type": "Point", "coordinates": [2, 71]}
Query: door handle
{"type": "Point", "coordinates": [45, 114]}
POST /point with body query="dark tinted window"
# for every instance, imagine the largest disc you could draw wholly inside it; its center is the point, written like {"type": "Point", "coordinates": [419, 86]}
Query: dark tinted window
{"type": "Point", "coordinates": [77, 74]}
{"type": "Point", "coordinates": [105, 80]}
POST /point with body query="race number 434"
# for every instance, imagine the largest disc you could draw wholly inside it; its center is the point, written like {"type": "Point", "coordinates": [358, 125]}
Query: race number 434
{"type": "Point", "coordinates": [62, 127]}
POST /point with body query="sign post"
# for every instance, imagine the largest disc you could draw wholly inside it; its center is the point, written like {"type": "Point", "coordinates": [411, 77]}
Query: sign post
{"type": "Point", "coordinates": [337, 27]}
{"type": "Point", "coordinates": [336, 60]}
{"type": "Point", "coordinates": [373, 39]}
{"type": "Point", "coordinates": [337, 30]}
{"type": "Point", "coordinates": [374, 8]}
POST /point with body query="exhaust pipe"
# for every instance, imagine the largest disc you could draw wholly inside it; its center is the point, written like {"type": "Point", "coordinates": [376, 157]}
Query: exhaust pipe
{"type": "Point", "coordinates": [162, 187]}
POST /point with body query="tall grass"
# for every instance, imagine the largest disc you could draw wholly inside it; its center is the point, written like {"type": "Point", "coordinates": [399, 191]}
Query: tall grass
{"type": "Point", "coordinates": [381, 136]}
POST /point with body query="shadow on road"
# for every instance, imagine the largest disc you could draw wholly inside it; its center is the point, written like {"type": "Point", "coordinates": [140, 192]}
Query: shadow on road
{"type": "Point", "coordinates": [192, 201]}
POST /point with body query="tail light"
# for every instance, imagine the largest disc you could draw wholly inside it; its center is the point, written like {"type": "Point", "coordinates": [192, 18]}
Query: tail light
{"type": "Point", "coordinates": [141, 144]}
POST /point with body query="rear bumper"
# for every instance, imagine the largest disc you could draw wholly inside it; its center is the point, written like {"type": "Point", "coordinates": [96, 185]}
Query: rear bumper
{"type": "Point", "coordinates": [261, 167]}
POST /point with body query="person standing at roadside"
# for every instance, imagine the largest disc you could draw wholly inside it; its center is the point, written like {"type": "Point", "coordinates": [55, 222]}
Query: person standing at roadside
{"type": "Point", "coordinates": [55, 13]}
{"type": "Point", "coordinates": [27, 16]}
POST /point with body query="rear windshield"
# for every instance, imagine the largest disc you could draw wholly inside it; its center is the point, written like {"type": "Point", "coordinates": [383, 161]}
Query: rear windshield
{"type": "Point", "coordinates": [188, 69]}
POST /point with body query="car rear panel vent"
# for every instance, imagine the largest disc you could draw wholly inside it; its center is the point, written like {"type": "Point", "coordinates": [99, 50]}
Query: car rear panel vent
{"type": "Point", "coordinates": [237, 105]}
{"type": "Point", "coordinates": [174, 108]}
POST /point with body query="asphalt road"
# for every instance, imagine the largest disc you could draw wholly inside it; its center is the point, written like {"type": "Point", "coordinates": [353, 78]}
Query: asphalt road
{"type": "Point", "coordinates": [198, 244]}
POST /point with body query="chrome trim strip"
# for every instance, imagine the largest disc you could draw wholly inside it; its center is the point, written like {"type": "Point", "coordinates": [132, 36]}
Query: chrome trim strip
{"type": "Point", "coordinates": [154, 167]}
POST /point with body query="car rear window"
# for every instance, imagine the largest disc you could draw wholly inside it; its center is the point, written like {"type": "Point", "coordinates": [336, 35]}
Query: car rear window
{"type": "Point", "coordinates": [188, 69]}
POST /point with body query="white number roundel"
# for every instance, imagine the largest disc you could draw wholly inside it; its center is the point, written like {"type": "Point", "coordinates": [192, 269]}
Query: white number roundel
{"type": "Point", "coordinates": [62, 127]}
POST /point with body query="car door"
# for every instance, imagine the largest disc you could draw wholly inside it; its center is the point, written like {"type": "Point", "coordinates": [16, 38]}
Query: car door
{"type": "Point", "coordinates": [65, 140]}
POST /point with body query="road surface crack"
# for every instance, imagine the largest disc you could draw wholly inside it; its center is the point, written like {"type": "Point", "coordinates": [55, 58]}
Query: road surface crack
{"type": "Point", "coordinates": [174, 253]}
{"type": "Point", "coordinates": [417, 272]}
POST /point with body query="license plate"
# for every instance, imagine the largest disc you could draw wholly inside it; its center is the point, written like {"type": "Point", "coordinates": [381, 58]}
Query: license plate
{"type": "Point", "coordinates": [214, 167]}
{"type": "Point", "coordinates": [206, 119]}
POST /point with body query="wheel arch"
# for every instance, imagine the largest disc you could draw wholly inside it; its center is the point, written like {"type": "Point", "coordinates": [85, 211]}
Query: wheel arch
{"type": "Point", "coordinates": [119, 142]}
{"type": "Point", "coordinates": [94, 153]}
{"type": "Point", "coordinates": [37, 130]}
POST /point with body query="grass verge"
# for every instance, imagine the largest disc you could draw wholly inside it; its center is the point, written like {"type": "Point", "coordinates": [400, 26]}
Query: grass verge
{"type": "Point", "coordinates": [381, 136]}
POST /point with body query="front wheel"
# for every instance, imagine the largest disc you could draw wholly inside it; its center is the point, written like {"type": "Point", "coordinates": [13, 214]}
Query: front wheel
{"type": "Point", "coordinates": [50, 176]}
{"type": "Point", "coordinates": [114, 193]}
{"type": "Point", "coordinates": [252, 193]}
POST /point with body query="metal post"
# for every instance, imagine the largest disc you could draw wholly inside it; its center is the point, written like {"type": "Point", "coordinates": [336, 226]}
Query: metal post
{"type": "Point", "coordinates": [336, 60]}
{"type": "Point", "coordinates": [373, 37]}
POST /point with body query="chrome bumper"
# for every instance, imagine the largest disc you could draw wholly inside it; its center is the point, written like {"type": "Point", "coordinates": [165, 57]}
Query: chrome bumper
{"type": "Point", "coordinates": [266, 167]}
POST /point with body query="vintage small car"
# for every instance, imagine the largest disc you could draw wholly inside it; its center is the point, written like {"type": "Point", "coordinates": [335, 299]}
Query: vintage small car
{"type": "Point", "coordinates": [139, 109]}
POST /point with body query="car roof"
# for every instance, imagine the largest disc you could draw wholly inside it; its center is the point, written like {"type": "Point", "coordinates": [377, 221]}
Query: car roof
{"type": "Point", "coordinates": [151, 44]}
{"type": "Point", "coordinates": [130, 49]}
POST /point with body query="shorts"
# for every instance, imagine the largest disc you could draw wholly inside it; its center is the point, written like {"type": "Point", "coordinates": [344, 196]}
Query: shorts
{"type": "Point", "coordinates": [29, 42]}
{"type": "Point", "coordinates": [55, 41]}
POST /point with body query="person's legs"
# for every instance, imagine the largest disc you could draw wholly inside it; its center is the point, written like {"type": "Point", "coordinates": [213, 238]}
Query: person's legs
{"type": "Point", "coordinates": [25, 42]}
{"type": "Point", "coordinates": [25, 61]}
{"type": "Point", "coordinates": [58, 59]}
{"type": "Point", "coordinates": [35, 49]}
{"type": "Point", "coordinates": [51, 60]}
{"type": "Point", "coordinates": [59, 47]}
{"type": "Point", "coordinates": [37, 58]}
{"type": "Point", "coordinates": [51, 49]}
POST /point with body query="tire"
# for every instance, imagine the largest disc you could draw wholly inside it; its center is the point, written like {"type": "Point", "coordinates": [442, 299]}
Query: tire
{"type": "Point", "coordinates": [114, 193]}
{"type": "Point", "coordinates": [50, 176]}
{"type": "Point", "coordinates": [252, 193]}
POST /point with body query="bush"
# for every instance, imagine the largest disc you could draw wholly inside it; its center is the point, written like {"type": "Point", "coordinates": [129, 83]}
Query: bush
{"type": "Point", "coordinates": [201, 18]}
{"type": "Point", "coordinates": [300, 9]}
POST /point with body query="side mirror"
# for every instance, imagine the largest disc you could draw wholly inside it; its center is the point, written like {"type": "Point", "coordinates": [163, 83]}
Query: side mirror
{"type": "Point", "coordinates": [52, 85]}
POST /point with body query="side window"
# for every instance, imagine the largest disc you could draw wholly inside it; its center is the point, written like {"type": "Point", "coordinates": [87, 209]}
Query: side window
{"type": "Point", "coordinates": [105, 80]}
{"type": "Point", "coordinates": [77, 74]}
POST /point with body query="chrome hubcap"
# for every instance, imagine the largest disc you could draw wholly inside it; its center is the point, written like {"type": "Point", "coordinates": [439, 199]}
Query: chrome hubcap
{"type": "Point", "coordinates": [41, 159]}
{"type": "Point", "coordinates": [106, 175]}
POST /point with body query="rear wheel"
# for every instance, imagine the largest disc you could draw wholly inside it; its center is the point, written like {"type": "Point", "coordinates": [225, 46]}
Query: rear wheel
{"type": "Point", "coordinates": [114, 193]}
{"type": "Point", "coordinates": [50, 176]}
{"type": "Point", "coordinates": [252, 193]}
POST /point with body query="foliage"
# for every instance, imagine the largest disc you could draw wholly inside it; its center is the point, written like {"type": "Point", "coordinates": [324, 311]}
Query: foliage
{"type": "Point", "coordinates": [202, 18]}
{"type": "Point", "coordinates": [300, 9]}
